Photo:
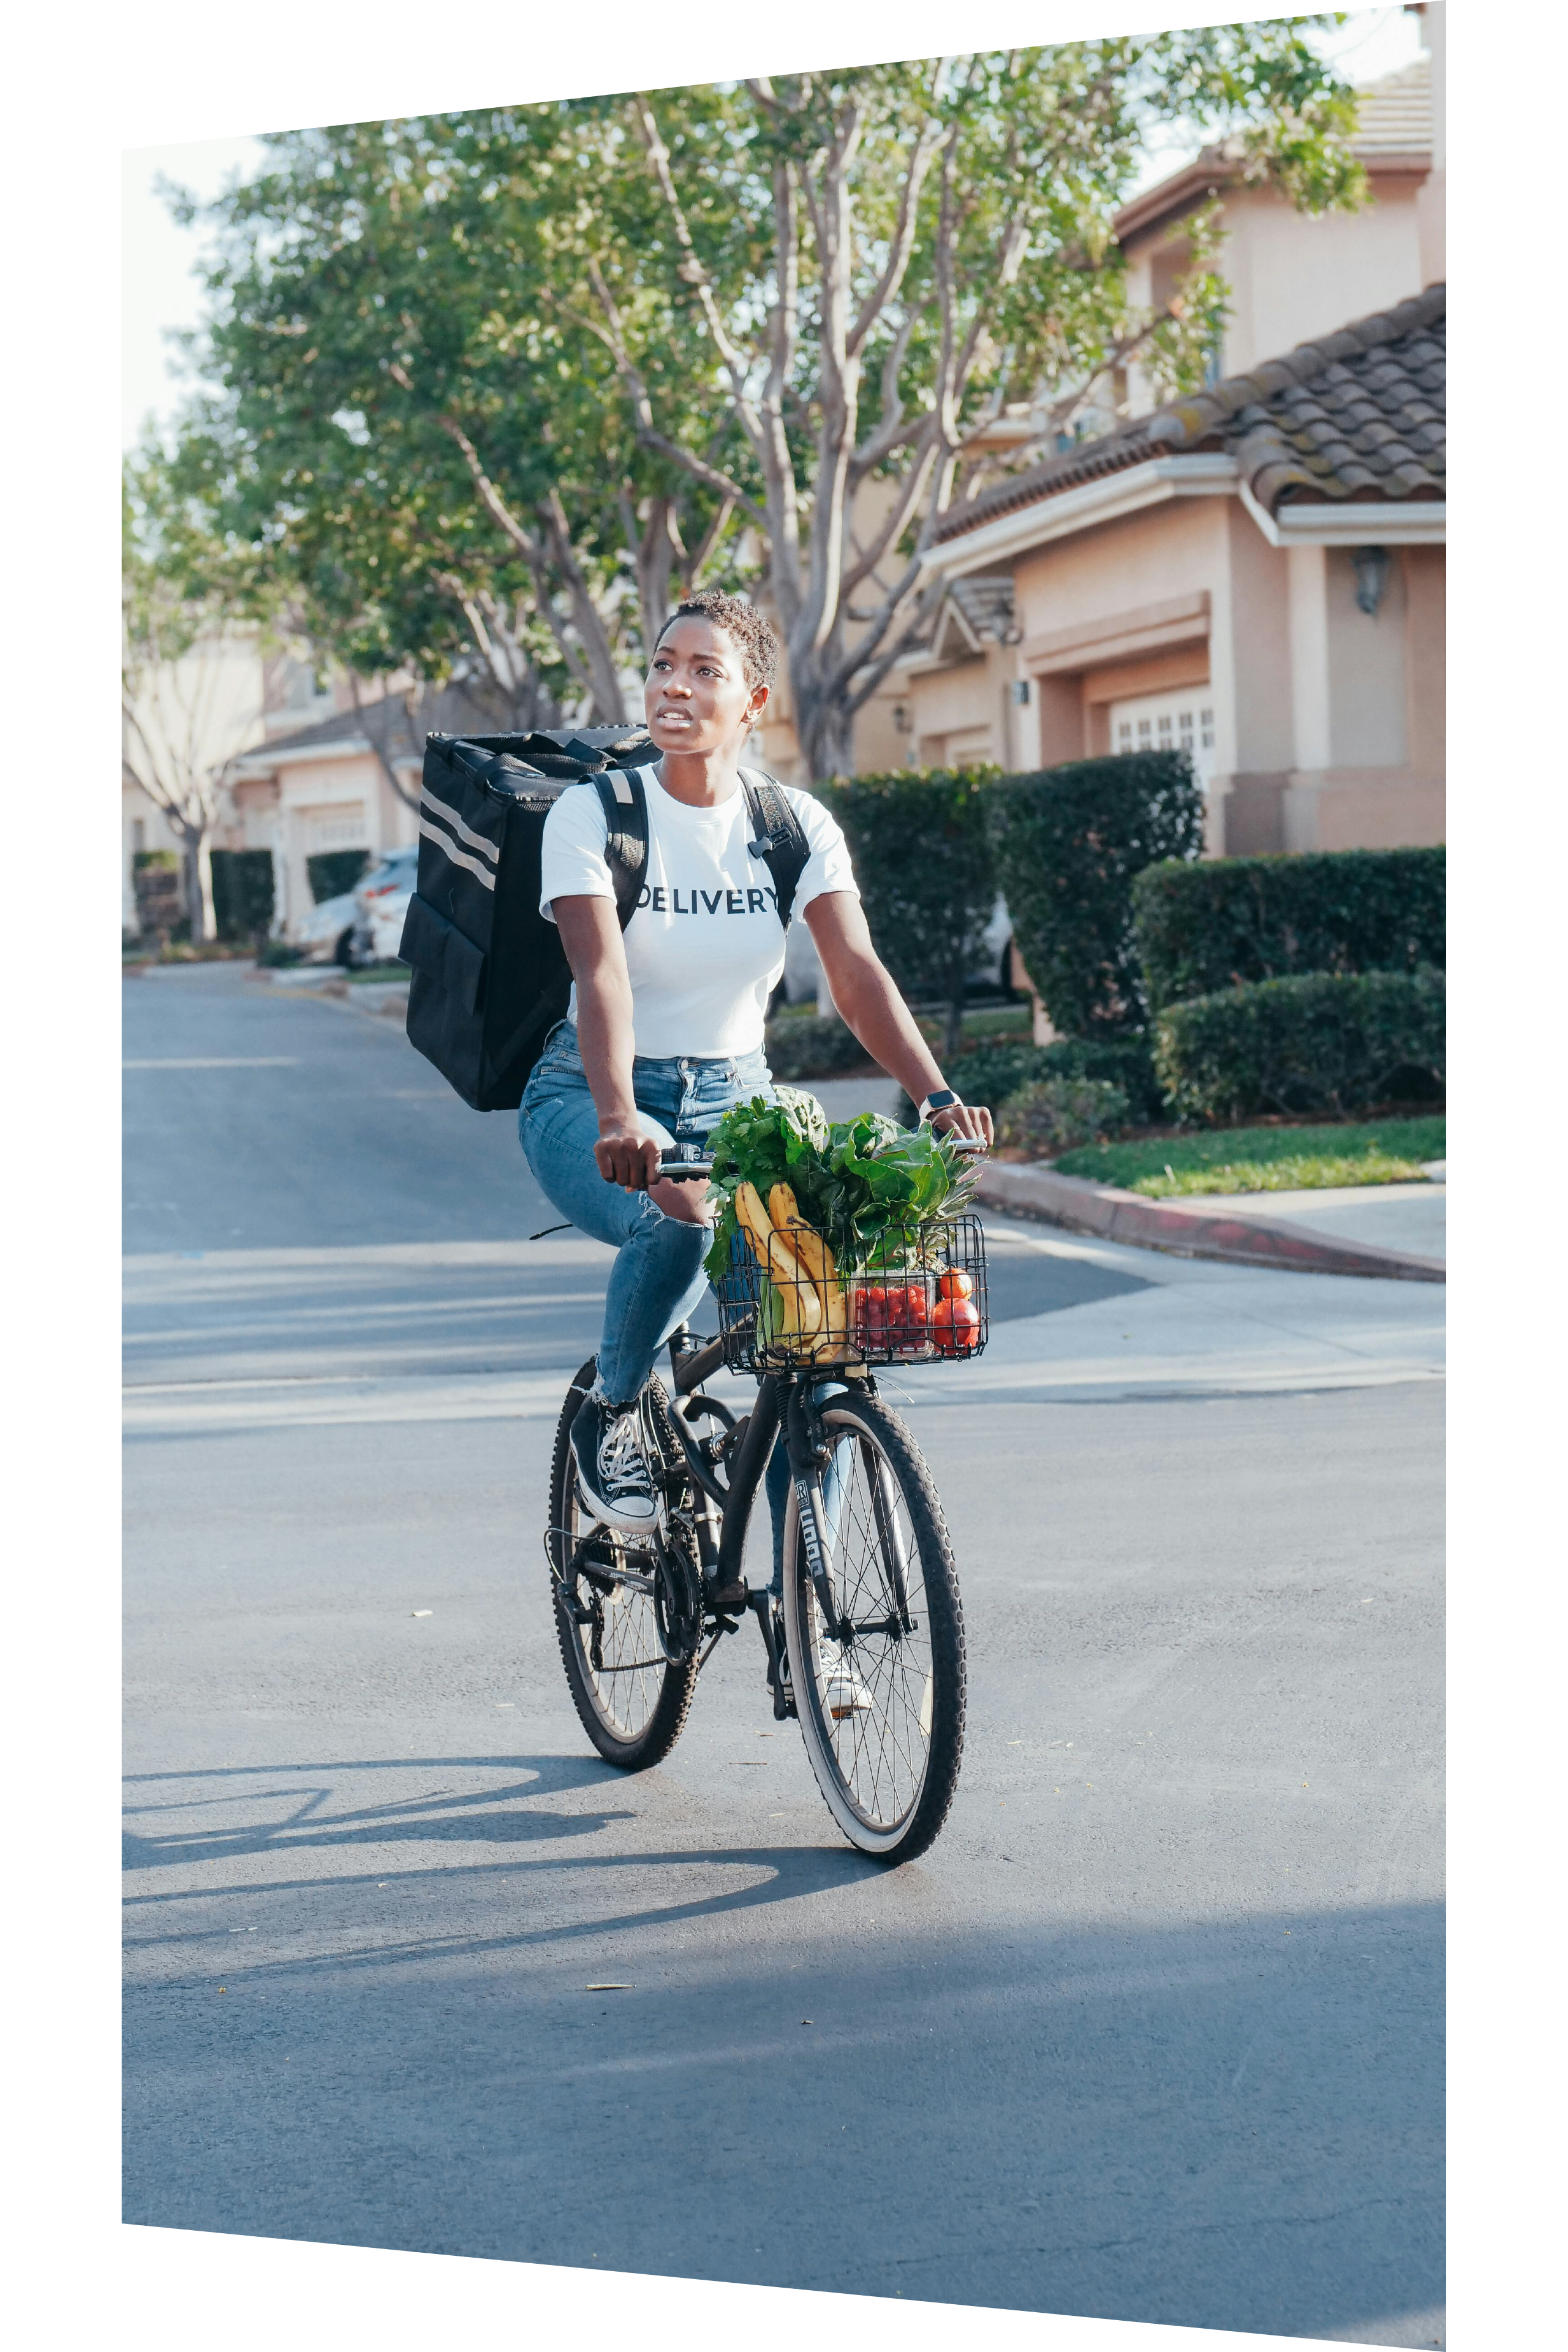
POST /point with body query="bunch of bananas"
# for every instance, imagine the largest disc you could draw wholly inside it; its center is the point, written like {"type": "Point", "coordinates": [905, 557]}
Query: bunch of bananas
{"type": "Point", "coordinates": [812, 1314]}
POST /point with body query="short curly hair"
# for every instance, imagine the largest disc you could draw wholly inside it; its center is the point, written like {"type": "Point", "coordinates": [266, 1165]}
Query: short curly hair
{"type": "Point", "coordinates": [752, 631]}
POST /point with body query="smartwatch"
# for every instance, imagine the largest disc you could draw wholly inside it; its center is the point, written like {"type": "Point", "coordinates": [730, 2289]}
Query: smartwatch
{"type": "Point", "coordinates": [943, 1099]}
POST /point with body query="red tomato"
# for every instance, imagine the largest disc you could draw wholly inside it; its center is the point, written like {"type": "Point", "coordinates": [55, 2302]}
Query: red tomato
{"type": "Point", "coordinates": [956, 1283]}
{"type": "Point", "coordinates": [958, 1327]}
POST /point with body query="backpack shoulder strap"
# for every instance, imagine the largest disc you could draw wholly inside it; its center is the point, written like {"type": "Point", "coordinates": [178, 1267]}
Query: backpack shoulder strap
{"type": "Point", "coordinates": [780, 839]}
{"type": "Point", "coordinates": [626, 845]}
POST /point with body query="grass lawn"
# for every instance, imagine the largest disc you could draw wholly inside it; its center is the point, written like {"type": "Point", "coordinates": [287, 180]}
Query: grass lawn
{"type": "Point", "coordinates": [983, 1025]}
{"type": "Point", "coordinates": [382, 972]}
{"type": "Point", "coordinates": [1265, 1158]}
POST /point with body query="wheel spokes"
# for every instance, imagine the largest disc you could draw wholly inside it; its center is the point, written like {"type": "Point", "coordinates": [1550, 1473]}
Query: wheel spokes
{"type": "Point", "coordinates": [880, 1745]}
{"type": "Point", "coordinates": [627, 1675]}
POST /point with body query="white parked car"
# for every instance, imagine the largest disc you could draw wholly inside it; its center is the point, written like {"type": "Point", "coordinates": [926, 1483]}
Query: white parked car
{"type": "Point", "coordinates": [325, 934]}
{"type": "Point", "coordinates": [381, 901]}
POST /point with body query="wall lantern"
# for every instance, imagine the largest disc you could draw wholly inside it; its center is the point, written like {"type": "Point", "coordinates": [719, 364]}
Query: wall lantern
{"type": "Point", "coordinates": [1018, 692]}
{"type": "Point", "coordinates": [1370, 577]}
{"type": "Point", "coordinates": [901, 716]}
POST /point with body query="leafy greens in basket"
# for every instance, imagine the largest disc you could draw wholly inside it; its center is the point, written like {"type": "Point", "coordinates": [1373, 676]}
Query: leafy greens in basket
{"type": "Point", "coordinates": [852, 1179]}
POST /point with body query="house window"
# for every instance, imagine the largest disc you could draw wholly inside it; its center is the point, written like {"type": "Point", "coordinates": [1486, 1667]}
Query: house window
{"type": "Point", "coordinates": [1167, 722]}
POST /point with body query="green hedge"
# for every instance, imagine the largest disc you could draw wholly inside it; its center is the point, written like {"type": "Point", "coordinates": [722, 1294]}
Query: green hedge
{"type": "Point", "coordinates": [991, 1074]}
{"type": "Point", "coordinates": [1069, 842]}
{"type": "Point", "coordinates": [333, 871]}
{"type": "Point", "coordinates": [1322, 1041]}
{"type": "Point", "coordinates": [926, 873]}
{"type": "Point", "coordinates": [1229, 919]}
{"type": "Point", "coordinates": [242, 893]}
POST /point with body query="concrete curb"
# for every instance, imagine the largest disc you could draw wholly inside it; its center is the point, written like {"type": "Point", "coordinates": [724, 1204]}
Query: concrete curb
{"type": "Point", "coordinates": [1114, 1216]}
{"type": "Point", "coordinates": [386, 1000]}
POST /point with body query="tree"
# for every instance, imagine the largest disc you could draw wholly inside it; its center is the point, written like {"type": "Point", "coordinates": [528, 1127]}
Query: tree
{"type": "Point", "coordinates": [190, 677]}
{"type": "Point", "coordinates": [576, 355]}
{"type": "Point", "coordinates": [884, 265]}
{"type": "Point", "coordinates": [443, 471]}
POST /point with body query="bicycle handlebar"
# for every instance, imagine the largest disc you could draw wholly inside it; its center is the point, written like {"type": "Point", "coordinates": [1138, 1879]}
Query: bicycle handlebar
{"type": "Point", "coordinates": [681, 1169]}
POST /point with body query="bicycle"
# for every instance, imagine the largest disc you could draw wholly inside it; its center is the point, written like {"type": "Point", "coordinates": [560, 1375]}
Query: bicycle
{"type": "Point", "coordinates": [866, 1642]}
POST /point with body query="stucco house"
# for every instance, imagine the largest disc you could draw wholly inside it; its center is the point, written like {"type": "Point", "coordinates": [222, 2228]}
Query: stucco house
{"type": "Point", "coordinates": [1255, 572]}
{"type": "Point", "coordinates": [347, 781]}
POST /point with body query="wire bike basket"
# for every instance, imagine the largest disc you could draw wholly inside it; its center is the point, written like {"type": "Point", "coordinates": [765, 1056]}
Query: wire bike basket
{"type": "Point", "coordinates": [921, 1298]}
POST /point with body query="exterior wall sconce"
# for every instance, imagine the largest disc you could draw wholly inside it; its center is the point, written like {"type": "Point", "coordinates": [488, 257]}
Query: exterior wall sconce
{"type": "Point", "coordinates": [1370, 577]}
{"type": "Point", "coordinates": [1018, 692]}
{"type": "Point", "coordinates": [902, 718]}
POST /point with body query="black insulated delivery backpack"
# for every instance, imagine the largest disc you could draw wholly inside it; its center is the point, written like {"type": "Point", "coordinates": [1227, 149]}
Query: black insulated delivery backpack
{"type": "Point", "coordinates": [491, 978]}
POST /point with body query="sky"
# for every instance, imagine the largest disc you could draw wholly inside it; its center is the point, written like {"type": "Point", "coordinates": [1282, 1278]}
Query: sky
{"type": "Point", "coordinates": [162, 291]}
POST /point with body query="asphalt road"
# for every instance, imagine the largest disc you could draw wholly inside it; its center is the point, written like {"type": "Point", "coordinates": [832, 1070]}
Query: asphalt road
{"type": "Point", "coordinates": [1164, 2043]}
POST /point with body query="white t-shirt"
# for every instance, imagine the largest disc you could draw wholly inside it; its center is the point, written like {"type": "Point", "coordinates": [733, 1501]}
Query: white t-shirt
{"type": "Point", "coordinates": [705, 946]}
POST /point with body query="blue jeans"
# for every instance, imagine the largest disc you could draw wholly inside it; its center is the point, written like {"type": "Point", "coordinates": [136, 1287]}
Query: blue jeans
{"type": "Point", "coordinates": [657, 1282]}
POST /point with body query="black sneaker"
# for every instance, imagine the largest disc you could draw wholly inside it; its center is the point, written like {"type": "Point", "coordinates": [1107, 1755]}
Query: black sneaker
{"type": "Point", "coordinates": [612, 1475]}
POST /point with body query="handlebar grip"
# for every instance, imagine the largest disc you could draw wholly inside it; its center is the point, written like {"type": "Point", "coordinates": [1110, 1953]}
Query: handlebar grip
{"type": "Point", "coordinates": [678, 1166]}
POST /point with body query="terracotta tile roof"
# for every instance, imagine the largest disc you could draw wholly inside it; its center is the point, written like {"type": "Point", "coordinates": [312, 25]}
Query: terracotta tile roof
{"type": "Point", "coordinates": [452, 711]}
{"type": "Point", "coordinates": [1357, 415]}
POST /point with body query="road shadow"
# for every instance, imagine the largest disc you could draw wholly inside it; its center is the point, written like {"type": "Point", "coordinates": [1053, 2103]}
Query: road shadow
{"type": "Point", "coordinates": [1226, 2124]}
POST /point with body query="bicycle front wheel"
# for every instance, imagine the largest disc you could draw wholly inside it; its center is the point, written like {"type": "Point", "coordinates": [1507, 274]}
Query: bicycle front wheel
{"type": "Point", "coordinates": [880, 1694]}
{"type": "Point", "coordinates": [632, 1698]}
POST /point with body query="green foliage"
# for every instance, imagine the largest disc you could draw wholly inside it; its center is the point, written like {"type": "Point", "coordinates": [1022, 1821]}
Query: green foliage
{"type": "Point", "coordinates": [1056, 1113]}
{"type": "Point", "coordinates": [926, 872]}
{"type": "Point", "coordinates": [332, 872]}
{"type": "Point", "coordinates": [1070, 843]}
{"type": "Point", "coordinates": [1229, 919]}
{"type": "Point", "coordinates": [156, 861]}
{"type": "Point", "coordinates": [242, 893]}
{"type": "Point", "coordinates": [993, 1074]}
{"type": "Point", "coordinates": [808, 1048]}
{"type": "Point", "coordinates": [851, 1181]}
{"type": "Point", "coordinates": [1322, 1041]}
{"type": "Point", "coordinates": [567, 315]}
{"type": "Point", "coordinates": [1250, 1159]}
{"type": "Point", "coordinates": [278, 955]}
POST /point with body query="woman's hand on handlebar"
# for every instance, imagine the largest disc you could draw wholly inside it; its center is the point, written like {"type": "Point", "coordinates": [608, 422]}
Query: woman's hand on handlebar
{"type": "Point", "coordinates": [967, 1121]}
{"type": "Point", "coordinates": [625, 1155]}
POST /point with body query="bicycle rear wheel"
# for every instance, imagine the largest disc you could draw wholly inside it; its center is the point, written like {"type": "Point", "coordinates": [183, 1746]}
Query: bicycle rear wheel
{"type": "Point", "coordinates": [632, 1700]}
{"type": "Point", "coordinates": [880, 1696]}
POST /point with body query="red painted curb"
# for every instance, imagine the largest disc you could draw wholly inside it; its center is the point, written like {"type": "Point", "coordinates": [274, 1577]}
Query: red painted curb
{"type": "Point", "coordinates": [1115, 1215]}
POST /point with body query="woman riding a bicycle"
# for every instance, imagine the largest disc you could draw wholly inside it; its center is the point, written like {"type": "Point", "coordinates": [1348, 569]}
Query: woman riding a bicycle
{"type": "Point", "coordinates": [664, 1032]}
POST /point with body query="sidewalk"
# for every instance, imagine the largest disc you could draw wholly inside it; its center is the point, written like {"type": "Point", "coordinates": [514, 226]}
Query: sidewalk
{"type": "Point", "coordinates": [1341, 1231]}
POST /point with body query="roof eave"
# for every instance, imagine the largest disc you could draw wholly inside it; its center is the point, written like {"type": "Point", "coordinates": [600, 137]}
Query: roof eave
{"type": "Point", "coordinates": [1351, 522]}
{"type": "Point", "coordinates": [1085, 504]}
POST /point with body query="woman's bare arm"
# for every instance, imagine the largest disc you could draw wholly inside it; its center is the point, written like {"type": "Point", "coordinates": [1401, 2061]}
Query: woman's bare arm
{"type": "Point", "coordinates": [865, 993]}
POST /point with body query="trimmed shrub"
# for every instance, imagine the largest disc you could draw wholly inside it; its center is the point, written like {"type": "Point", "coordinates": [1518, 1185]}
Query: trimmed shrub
{"type": "Point", "coordinates": [242, 893]}
{"type": "Point", "coordinates": [926, 872]}
{"type": "Point", "coordinates": [991, 1075]}
{"type": "Point", "coordinates": [333, 871]}
{"type": "Point", "coordinates": [803, 1047]}
{"type": "Point", "coordinates": [1322, 1041]}
{"type": "Point", "coordinates": [1233, 919]}
{"type": "Point", "coordinates": [1069, 842]}
{"type": "Point", "coordinates": [1055, 1114]}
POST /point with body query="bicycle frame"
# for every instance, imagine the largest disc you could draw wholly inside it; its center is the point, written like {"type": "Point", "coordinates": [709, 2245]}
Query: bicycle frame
{"type": "Point", "coordinates": [783, 1398]}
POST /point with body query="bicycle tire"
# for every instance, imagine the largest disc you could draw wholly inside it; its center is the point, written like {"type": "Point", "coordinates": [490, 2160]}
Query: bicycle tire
{"type": "Point", "coordinates": [634, 1740]}
{"type": "Point", "coordinates": [890, 1807]}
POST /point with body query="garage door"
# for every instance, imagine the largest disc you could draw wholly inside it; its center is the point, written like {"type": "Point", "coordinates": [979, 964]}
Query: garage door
{"type": "Point", "coordinates": [1182, 721]}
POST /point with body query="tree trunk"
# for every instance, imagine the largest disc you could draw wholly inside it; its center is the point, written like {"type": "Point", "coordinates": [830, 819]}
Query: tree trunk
{"type": "Point", "coordinates": [825, 729]}
{"type": "Point", "coordinates": [952, 1034]}
{"type": "Point", "coordinates": [199, 888]}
